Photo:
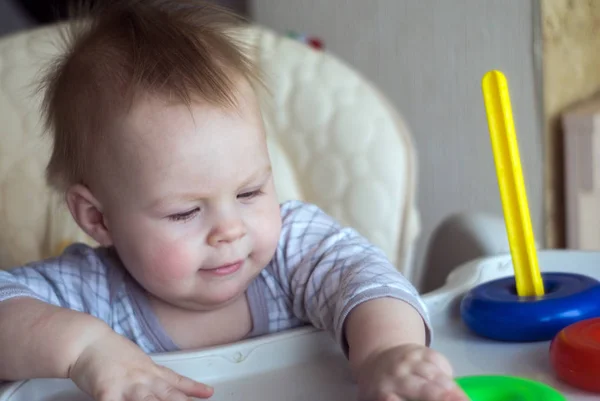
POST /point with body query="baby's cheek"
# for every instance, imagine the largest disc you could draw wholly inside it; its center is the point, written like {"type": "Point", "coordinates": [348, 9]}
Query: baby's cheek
{"type": "Point", "coordinates": [173, 262]}
{"type": "Point", "coordinates": [267, 230]}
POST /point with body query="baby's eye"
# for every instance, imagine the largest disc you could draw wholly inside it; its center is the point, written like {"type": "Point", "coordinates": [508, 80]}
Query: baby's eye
{"type": "Point", "coordinates": [250, 194]}
{"type": "Point", "coordinates": [185, 215]}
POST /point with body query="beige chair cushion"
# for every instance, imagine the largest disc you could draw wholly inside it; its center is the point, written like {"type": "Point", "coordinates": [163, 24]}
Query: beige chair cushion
{"type": "Point", "coordinates": [334, 140]}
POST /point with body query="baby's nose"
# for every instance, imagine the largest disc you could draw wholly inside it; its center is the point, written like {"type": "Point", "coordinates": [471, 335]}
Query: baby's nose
{"type": "Point", "coordinates": [227, 232]}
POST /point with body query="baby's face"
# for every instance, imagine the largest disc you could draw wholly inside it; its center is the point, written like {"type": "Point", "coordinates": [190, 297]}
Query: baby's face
{"type": "Point", "coordinates": [189, 200]}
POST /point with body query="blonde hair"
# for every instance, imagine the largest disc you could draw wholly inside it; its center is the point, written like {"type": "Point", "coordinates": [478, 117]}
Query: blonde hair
{"type": "Point", "coordinates": [181, 49]}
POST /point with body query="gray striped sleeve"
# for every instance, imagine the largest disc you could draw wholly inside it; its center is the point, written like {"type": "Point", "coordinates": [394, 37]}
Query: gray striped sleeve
{"type": "Point", "coordinates": [77, 279]}
{"type": "Point", "coordinates": [90, 280]}
{"type": "Point", "coordinates": [325, 270]}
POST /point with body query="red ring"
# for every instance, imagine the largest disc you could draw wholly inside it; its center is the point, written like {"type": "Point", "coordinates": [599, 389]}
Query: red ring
{"type": "Point", "coordinates": [575, 355]}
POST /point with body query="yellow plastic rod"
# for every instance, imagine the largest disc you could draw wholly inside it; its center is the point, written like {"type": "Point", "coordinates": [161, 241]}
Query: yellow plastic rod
{"type": "Point", "coordinates": [511, 184]}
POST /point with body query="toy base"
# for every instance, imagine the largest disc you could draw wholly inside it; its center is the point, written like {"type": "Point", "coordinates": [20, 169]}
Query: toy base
{"type": "Point", "coordinates": [575, 355]}
{"type": "Point", "coordinates": [494, 310]}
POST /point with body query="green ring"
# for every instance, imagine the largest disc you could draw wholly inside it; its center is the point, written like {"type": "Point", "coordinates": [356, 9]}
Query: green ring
{"type": "Point", "coordinates": [507, 388]}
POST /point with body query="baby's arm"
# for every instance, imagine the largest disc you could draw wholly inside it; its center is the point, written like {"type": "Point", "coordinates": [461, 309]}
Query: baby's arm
{"type": "Point", "coordinates": [381, 324]}
{"type": "Point", "coordinates": [50, 311]}
{"type": "Point", "coordinates": [55, 318]}
{"type": "Point", "coordinates": [43, 340]}
{"type": "Point", "coordinates": [38, 339]}
{"type": "Point", "coordinates": [332, 270]}
{"type": "Point", "coordinates": [341, 283]}
{"type": "Point", "coordinates": [388, 356]}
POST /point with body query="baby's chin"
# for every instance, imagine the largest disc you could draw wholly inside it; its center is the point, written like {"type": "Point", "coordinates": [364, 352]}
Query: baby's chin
{"type": "Point", "coordinates": [219, 296]}
{"type": "Point", "coordinates": [204, 304]}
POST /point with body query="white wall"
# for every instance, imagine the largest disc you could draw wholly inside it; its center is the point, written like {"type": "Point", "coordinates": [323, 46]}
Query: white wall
{"type": "Point", "coordinates": [429, 57]}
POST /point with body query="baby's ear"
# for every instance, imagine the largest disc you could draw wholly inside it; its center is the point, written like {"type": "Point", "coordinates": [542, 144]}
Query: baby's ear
{"type": "Point", "coordinates": [87, 212]}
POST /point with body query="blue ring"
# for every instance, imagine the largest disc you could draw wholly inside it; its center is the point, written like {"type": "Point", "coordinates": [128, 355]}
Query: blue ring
{"type": "Point", "coordinates": [494, 310]}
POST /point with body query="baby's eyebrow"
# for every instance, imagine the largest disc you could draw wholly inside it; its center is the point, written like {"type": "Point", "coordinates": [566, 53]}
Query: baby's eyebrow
{"type": "Point", "coordinates": [264, 172]}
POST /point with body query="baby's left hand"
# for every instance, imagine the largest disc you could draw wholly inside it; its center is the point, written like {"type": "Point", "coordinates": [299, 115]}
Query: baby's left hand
{"type": "Point", "coordinates": [408, 372]}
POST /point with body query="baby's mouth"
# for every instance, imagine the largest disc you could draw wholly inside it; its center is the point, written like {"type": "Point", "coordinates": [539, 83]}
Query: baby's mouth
{"type": "Point", "coordinates": [225, 269]}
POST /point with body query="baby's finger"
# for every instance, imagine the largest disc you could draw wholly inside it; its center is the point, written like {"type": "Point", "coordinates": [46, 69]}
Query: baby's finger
{"type": "Point", "coordinates": [141, 393]}
{"type": "Point", "coordinates": [166, 392]}
{"type": "Point", "coordinates": [417, 388]}
{"type": "Point", "coordinates": [390, 397]}
{"type": "Point", "coordinates": [427, 370]}
{"type": "Point", "coordinates": [455, 395]}
{"type": "Point", "coordinates": [186, 385]}
{"type": "Point", "coordinates": [436, 377]}
{"type": "Point", "coordinates": [434, 374]}
{"type": "Point", "coordinates": [440, 361]}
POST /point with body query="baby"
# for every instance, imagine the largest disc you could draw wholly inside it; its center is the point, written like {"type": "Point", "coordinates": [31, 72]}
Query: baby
{"type": "Point", "coordinates": [160, 151]}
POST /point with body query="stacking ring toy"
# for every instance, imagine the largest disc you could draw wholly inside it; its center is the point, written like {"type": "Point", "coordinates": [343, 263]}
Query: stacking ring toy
{"type": "Point", "coordinates": [575, 355]}
{"type": "Point", "coordinates": [495, 310]}
{"type": "Point", "coordinates": [529, 306]}
{"type": "Point", "coordinates": [507, 388]}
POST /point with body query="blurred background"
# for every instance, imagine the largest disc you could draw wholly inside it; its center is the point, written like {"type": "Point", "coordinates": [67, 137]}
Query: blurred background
{"type": "Point", "coordinates": [428, 57]}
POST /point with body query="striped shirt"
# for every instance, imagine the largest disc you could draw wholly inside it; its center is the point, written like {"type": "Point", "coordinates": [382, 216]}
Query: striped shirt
{"type": "Point", "coordinates": [318, 274]}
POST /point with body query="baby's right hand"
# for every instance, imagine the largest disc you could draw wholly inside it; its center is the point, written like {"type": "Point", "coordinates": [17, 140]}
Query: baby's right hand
{"type": "Point", "coordinates": [115, 369]}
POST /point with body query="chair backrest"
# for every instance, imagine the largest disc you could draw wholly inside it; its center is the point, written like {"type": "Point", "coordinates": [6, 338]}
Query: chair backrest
{"type": "Point", "coordinates": [334, 139]}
